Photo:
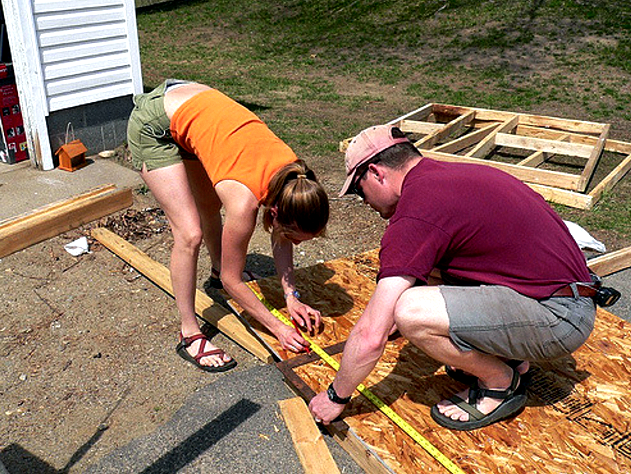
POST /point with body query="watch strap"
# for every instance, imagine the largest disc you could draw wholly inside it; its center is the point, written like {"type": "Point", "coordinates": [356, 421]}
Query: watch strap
{"type": "Point", "coordinates": [335, 398]}
{"type": "Point", "coordinates": [294, 293]}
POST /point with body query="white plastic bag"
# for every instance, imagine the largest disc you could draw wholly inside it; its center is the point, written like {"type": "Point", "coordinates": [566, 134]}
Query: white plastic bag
{"type": "Point", "coordinates": [77, 247]}
{"type": "Point", "coordinates": [583, 239]}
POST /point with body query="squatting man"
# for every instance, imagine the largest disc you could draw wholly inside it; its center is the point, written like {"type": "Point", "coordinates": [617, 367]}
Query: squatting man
{"type": "Point", "coordinates": [515, 285]}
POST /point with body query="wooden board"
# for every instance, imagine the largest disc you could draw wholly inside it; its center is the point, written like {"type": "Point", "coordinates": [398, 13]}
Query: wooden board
{"type": "Point", "coordinates": [612, 262]}
{"type": "Point", "coordinates": [25, 230]}
{"type": "Point", "coordinates": [544, 152]}
{"type": "Point", "coordinates": [577, 418]}
{"type": "Point", "coordinates": [312, 451]}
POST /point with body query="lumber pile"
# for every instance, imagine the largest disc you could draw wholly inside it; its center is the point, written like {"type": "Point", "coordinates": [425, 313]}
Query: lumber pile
{"type": "Point", "coordinates": [544, 152]}
{"type": "Point", "coordinates": [576, 420]}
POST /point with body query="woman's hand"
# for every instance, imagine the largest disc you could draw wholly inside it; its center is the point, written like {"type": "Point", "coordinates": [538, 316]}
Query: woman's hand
{"type": "Point", "coordinates": [302, 314]}
{"type": "Point", "coordinates": [291, 340]}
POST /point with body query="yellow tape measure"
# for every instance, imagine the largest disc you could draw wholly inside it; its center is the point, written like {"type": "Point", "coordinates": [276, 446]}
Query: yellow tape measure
{"type": "Point", "coordinates": [380, 404]}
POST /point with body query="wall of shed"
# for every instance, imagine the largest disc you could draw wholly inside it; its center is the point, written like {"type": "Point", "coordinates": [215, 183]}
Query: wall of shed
{"type": "Point", "coordinates": [100, 125]}
{"type": "Point", "coordinates": [88, 69]}
{"type": "Point", "coordinates": [77, 69]}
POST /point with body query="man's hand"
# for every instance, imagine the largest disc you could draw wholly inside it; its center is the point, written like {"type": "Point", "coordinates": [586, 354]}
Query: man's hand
{"type": "Point", "coordinates": [324, 410]}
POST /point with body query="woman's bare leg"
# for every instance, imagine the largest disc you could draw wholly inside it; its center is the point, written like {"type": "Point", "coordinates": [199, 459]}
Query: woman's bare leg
{"type": "Point", "coordinates": [171, 188]}
{"type": "Point", "coordinates": [208, 208]}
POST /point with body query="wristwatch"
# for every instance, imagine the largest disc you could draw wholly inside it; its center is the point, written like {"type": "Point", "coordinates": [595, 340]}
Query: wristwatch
{"type": "Point", "coordinates": [292, 293]}
{"type": "Point", "coordinates": [335, 398]}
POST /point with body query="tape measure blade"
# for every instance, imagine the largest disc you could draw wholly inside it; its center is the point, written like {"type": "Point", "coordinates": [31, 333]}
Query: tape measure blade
{"type": "Point", "coordinates": [380, 404]}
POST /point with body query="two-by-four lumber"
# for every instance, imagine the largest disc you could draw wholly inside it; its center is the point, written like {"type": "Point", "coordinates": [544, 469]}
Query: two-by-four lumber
{"type": "Point", "coordinates": [615, 146]}
{"type": "Point", "coordinates": [465, 141]}
{"type": "Point", "coordinates": [205, 307]}
{"type": "Point", "coordinates": [308, 442]}
{"type": "Point", "coordinates": [541, 144]}
{"type": "Point", "coordinates": [49, 221]}
{"type": "Point", "coordinates": [592, 161]}
{"type": "Point", "coordinates": [540, 156]}
{"type": "Point", "coordinates": [414, 126]}
{"type": "Point", "coordinates": [419, 114]}
{"type": "Point", "coordinates": [363, 455]}
{"type": "Point", "coordinates": [535, 159]}
{"type": "Point", "coordinates": [524, 173]}
{"type": "Point", "coordinates": [564, 196]}
{"type": "Point", "coordinates": [453, 126]}
{"type": "Point", "coordinates": [561, 124]}
{"type": "Point", "coordinates": [611, 179]}
{"type": "Point", "coordinates": [488, 143]}
{"type": "Point", "coordinates": [612, 262]}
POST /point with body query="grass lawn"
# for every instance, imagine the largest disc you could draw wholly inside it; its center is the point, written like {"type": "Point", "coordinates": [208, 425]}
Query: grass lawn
{"type": "Point", "coordinates": [320, 71]}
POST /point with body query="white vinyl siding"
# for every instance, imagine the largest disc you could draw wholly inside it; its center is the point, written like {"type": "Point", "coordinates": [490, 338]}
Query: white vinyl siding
{"type": "Point", "coordinates": [69, 53]}
{"type": "Point", "coordinates": [88, 50]}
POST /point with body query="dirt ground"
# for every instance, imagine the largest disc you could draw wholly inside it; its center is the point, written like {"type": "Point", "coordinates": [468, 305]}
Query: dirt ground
{"type": "Point", "coordinates": [87, 344]}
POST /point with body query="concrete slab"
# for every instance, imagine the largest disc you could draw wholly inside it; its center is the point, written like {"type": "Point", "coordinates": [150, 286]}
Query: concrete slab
{"type": "Point", "coordinates": [621, 281]}
{"type": "Point", "coordinates": [232, 425]}
{"type": "Point", "coordinates": [24, 188]}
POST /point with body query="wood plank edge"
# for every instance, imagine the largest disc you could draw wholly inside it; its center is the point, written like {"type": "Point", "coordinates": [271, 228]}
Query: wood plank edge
{"type": "Point", "coordinates": [313, 453]}
{"type": "Point", "coordinates": [612, 178]}
{"type": "Point", "coordinates": [361, 453]}
{"type": "Point", "coordinates": [593, 160]}
{"type": "Point", "coordinates": [563, 196]}
{"type": "Point", "coordinates": [23, 233]}
{"type": "Point", "coordinates": [10, 221]}
{"type": "Point", "coordinates": [612, 262]}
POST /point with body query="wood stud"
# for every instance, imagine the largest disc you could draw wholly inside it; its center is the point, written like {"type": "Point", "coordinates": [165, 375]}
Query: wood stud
{"type": "Point", "coordinates": [468, 134]}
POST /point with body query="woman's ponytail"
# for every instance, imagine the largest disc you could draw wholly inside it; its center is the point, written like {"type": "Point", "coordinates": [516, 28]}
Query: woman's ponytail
{"type": "Point", "coordinates": [300, 200]}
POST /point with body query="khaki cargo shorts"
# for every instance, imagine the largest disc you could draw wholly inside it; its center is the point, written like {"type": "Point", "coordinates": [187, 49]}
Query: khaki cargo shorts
{"type": "Point", "coordinates": [149, 131]}
{"type": "Point", "coordinates": [499, 321]}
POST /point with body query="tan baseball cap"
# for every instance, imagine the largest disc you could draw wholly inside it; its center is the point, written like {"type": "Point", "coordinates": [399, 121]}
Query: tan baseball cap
{"type": "Point", "coordinates": [364, 146]}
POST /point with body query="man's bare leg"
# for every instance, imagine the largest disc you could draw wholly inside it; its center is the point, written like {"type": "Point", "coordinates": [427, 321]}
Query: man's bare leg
{"type": "Point", "coordinates": [421, 316]}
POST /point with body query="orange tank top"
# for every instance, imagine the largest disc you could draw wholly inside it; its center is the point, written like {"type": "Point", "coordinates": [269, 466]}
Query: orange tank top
{"type": "Point", "coordinates": [230, 141]}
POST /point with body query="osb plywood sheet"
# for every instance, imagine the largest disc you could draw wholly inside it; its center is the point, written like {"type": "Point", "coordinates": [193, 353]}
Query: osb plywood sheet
{"type": "Point", "coordinates": [577, 419]}
{"type": "Point", "coordinates": [339, 290]}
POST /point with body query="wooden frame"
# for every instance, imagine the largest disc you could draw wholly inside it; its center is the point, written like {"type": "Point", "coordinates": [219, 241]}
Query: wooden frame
{"type": "Point", "coordinates": [539, 146]}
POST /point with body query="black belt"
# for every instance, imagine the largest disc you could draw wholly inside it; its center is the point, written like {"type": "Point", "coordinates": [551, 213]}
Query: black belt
{"type": "Point", "coordinates": [582, 290]}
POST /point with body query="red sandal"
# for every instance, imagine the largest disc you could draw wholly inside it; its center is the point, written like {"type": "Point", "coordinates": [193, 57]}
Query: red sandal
{"type": "Point", "coordinates": [182, 351]}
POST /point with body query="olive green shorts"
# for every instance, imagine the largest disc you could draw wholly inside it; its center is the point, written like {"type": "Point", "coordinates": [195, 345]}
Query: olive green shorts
{"type": "Point", "coordinates": [149, 131]}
